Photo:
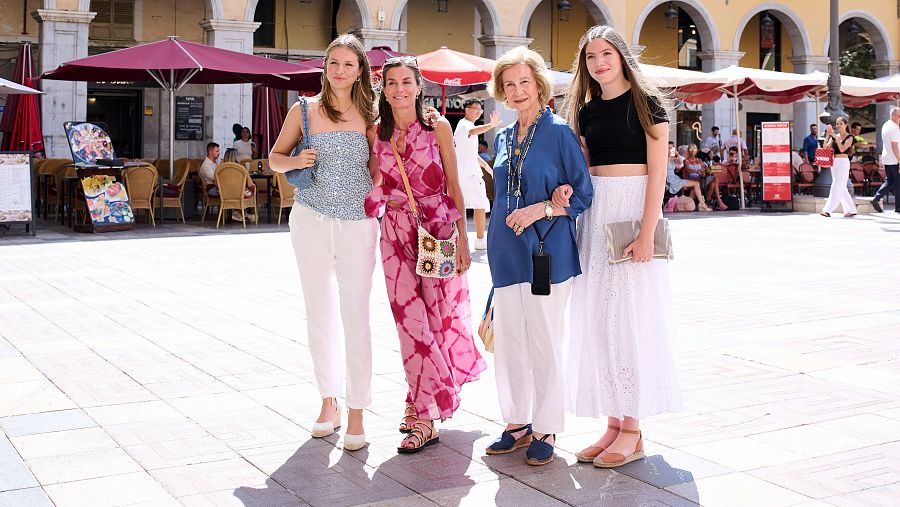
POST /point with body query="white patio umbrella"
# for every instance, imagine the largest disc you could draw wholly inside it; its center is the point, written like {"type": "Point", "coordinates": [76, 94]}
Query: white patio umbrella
{"type": "Point", "coordinates": [780, 87]}
{"type": "Point", "coordinates": [10, 88]}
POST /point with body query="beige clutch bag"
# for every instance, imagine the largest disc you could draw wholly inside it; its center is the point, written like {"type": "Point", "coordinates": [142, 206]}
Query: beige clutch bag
{"type": "Point", "coordinates": [621, 234]}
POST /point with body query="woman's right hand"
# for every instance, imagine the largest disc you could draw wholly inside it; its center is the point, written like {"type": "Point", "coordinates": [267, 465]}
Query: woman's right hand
{"type": "Point", "coordinates": [306, 158]}
{"type": "Point", "coordinates": [561, 195]}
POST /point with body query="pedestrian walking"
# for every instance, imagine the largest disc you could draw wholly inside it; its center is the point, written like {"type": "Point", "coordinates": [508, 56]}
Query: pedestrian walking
{"type": "Point", "coordinates": [890, 158]}
{"type": "Point", "coordinates": [842, 143]}
{"type": "Point", "coordinates": [420, 188]}
{"type": "Point", "coordinates": [334, 240]}
{"type": "Point", "coordinates": [532, 255]}
{"type": "Point", "coordinates": [470, 164]}
{"type": "Point", "coordinates": [621, 363]}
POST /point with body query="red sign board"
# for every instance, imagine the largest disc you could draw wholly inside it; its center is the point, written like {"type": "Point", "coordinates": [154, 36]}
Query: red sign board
{"type": "Point", "coordinates": [776, 161]}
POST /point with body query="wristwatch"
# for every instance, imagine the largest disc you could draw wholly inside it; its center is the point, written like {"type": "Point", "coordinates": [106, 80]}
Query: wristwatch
{"type": "Point", "coordinates": [548, 210]}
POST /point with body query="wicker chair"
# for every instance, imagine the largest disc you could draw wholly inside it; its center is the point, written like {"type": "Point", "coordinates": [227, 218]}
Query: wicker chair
{"type": "Point", "coordinates": [55, 168]}
{"type": "Point", "coordinates": [141, 183]}
{"type": "Point", "coordinates": [231, 179]}
{"type": "Point", "coordinates": [207, 200]}
{"type": "Point", "coordinates": [282, 194]}
{"type": "Point", "coordinates": [173, 192]}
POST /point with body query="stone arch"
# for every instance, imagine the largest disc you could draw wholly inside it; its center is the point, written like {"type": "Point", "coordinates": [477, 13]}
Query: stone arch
{"type": "Point", "coordinates": [487, 9]}
{"type": "Point", "coordinates": [709, 34]}
{"type": "Point", "coordinates": [884, 50]}
{"type": "Point", "coordinates": [789, 20]}
{"type": "Point", "coordinates": [361, 16]}
{"type": "Point", "coordinates": [597, 9]}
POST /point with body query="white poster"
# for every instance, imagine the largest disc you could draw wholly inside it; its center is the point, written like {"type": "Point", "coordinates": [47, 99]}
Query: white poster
{"type": "Point", "coordinates": [15, 187]}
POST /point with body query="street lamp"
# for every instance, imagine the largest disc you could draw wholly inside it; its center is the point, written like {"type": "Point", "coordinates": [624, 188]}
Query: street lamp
{"type": "Point", "coordinates": [564, 6]}
{"type": "Point", "coordinates": [671, 15]}
{"type": "Point", "coordinates": [834, 109]}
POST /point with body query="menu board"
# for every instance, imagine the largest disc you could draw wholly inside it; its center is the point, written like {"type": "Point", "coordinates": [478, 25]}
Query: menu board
{"type": "Point", "coordinates": [106, 199]}
{"type": "Point", "coordinates": [776, 161]}
{"type": "Point", "coordinates": [189, 118]}
{"type": "Point", "coordinates": [16, 201]}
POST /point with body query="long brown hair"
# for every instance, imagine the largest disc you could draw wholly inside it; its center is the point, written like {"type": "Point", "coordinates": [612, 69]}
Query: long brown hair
{"type": "Point", "coordinates": [386, 115]}
{"type": "Point", "coordinates": [361, 94]}
{"type": "Point", "coordinates": [584, 88]}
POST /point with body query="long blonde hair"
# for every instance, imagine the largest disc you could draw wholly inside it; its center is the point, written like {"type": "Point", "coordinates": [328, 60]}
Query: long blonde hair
{"type": "Point", "coordinates": [584, 88]}
{"type": "Point", "coordinates": [362, 94]}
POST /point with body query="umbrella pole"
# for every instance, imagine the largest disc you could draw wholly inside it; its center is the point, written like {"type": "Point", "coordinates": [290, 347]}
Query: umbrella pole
{"type": "Point", "coordinates": [737, 123]}
{"type": "Point", "coordinates": [171, 123]}
{"type": "Point", "coordinates": [267, 140]}
{"type": "Point", "coordinates": [443, 100]}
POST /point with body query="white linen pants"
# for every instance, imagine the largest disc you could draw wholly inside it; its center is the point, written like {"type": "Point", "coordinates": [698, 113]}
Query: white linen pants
{"type": "Point", "coordinates": [528, 355]}
{"type": "Point", "coordinates": [336, 259]}
{"type": "Point", "coordinates": [839, 194]}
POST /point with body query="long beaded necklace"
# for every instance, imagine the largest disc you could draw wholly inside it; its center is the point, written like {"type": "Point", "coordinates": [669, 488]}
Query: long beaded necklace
{"type": "Point", "coordinates": [514, 174]}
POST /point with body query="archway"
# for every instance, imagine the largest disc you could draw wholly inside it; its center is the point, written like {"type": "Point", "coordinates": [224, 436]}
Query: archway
{"type": "Point", "coordinates": [706, 28]}
{"type": "Point", "coordinates": [358, 10]}
{"type": "Point", "coordinates": [487, 12]}
{"type": "Point", "coordinates": [783, 22]}
{"type": "Point", "coordinates": [869, 28]}
{"type": "Point", "coordinates": [555, 33]}
{"type": "Point", "coordinates": [426, 18]}
{"type": "Point", "coordinates": [598, 11]}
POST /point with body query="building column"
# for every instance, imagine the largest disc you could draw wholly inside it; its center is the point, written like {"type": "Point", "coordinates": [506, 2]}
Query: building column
{"type": "Point", "coordinates": [805, 113]}
{"type": "Point", "coordinates": [721, 112]}
{"type": "Point", "coordinates": [494, 47]}
{"type": "Point", "coordinates": [63, 38]}
{"type": "Point", "coordinates": [883, 109]}
{"type": "Point", "coordinates": [227, 104]}
{"type": "Point", "coordinates": [373, 37]}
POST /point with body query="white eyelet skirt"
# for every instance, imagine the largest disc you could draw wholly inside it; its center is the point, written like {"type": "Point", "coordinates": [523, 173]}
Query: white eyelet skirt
{"type": "Point", "coordinates": [621, 360]}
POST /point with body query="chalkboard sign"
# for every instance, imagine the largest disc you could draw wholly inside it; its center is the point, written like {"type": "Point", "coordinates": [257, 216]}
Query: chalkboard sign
{"type": "Point", "coordinates": [16, 194]}
{"type": "Point", "coordinates": [189, 118]}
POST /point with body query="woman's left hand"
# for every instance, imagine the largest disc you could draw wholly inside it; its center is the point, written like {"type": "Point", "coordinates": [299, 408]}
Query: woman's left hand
{"type": "Point", "coordinates": [431, 115]}
{"type": "Point", "coordinates": [521, 218]}
{"type": "Point", "coordinates": [463, 256]}
{"type": "Point", "coordinates": [641, 249]}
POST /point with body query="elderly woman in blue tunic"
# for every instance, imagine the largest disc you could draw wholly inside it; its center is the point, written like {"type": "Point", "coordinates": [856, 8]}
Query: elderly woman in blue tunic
{"type": "Point", "coordinates": [532, 254]}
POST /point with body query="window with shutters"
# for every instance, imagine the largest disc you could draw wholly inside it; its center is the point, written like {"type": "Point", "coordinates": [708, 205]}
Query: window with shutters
{"type": "Point", "coordinates": [114, 20]}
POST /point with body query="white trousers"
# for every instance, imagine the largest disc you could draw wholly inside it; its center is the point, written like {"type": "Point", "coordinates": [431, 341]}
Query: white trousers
{"type": "Point", "coordinates": [528, 355]}
{"type": "Point", "coordinates": [839, 194]}
{"type": "Point", "coordinates": [336, 259]}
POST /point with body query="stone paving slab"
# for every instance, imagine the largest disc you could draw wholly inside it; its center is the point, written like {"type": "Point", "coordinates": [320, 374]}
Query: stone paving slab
{"type": "Point", "coordinates": [186, 385]}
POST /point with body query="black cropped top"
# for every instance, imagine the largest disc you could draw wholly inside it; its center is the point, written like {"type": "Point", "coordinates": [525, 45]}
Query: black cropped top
{"type": "Point", "coordinates": [613, 132]}
{"type": "Point", "coordinates": [849, 150]}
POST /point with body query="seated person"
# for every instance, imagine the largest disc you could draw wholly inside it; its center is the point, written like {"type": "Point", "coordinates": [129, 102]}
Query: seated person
{"type": "Point", "coordinates": [208, 172]}
{"type": "Point", "coordinates": [695, 169]}
{"type": "Point", "coordinates": [675, 183]}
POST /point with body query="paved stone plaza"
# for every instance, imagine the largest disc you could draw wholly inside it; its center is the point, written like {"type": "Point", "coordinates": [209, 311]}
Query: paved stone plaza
{"type": "Point", "coordinates": [168, 366]}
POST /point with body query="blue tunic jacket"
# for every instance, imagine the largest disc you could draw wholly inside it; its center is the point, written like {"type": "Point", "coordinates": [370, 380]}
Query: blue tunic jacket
{"type": "Point", "coordinates": [554, 158]}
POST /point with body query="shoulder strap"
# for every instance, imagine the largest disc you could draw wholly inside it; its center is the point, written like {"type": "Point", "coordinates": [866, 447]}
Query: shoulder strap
{"type": "Point", "coordinates": [305, 115]}
{"type": "Point", "coordinates": [412, 201]}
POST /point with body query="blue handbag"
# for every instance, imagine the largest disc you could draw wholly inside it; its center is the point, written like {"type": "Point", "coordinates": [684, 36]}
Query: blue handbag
{"type": "Point", "coordinates": [302, 179]}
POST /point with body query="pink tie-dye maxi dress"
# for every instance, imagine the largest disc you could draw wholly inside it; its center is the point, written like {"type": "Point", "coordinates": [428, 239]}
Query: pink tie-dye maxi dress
{"type": "Point", "coordinates": [433, 316]}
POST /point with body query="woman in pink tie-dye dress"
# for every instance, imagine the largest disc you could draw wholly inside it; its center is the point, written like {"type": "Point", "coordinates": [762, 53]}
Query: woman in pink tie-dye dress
{"type": "Point", "coordinates": [433, 316]}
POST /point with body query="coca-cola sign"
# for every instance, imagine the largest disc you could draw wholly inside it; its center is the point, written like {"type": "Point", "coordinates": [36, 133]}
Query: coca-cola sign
{"type": "Point", "coordinates": [455, 81]}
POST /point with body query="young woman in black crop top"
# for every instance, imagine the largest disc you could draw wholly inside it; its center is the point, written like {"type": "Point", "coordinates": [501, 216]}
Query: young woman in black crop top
{"type": "Point", "coordinates": [621, 364]}
{"type": "Point", "coordinates": [842, 143]}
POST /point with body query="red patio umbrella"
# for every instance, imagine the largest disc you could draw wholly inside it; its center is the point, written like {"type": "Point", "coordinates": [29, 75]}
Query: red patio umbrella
{"type": "Point", "coordinates": [172, 63]}
{"type": "Point", "coordinates": [267, 117]}
{"type": "Point", "coordinates": [26, 129]}
{"type": "Point", "coordinates": [453, 68]}
{"type": "Point", "coordinates": [21, 122]}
